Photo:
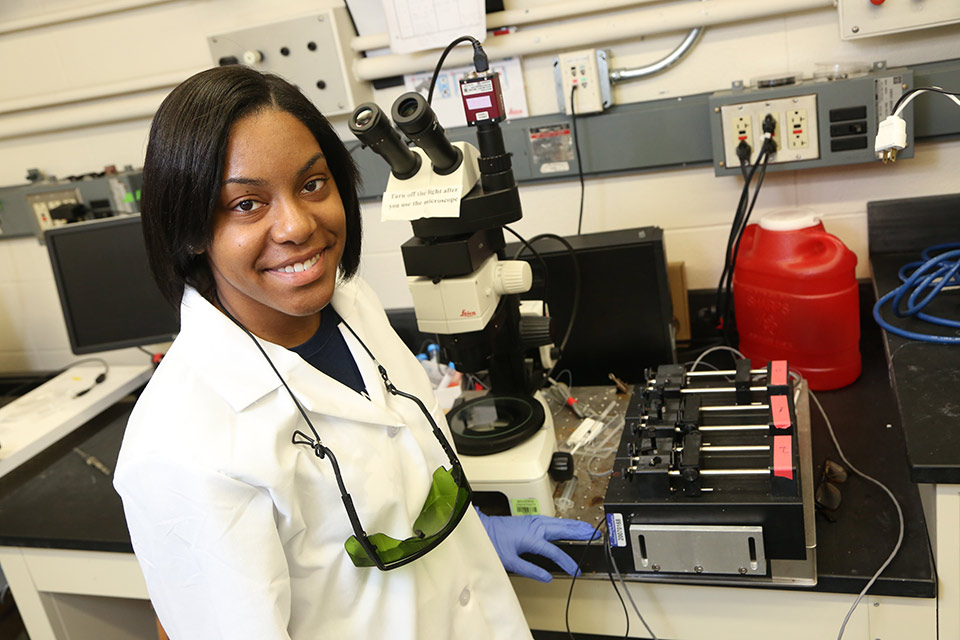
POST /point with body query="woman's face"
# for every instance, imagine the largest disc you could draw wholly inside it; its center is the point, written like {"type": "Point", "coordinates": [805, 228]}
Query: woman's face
{"type": "Point", "coordinates": [279, 228]}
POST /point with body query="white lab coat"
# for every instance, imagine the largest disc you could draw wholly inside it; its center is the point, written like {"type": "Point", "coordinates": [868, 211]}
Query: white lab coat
{"type": "Point", "coordinates": [240, 533]}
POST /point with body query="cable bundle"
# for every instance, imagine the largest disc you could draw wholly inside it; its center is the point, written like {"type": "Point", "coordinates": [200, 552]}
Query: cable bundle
{"type": "Point", "coordinates": [926, 278]}
{"type": "Point", "coordinates": [744, 210]}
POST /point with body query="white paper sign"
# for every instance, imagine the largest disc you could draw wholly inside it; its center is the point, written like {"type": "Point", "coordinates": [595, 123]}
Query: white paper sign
{"type": "Point", "coordinates": [417, 25]}
{"type": "Point", "coordinates": [426, 202]}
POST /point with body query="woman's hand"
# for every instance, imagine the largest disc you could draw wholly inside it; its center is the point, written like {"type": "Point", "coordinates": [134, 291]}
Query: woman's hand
{"type": "Point", "coordinates": [513, 535]}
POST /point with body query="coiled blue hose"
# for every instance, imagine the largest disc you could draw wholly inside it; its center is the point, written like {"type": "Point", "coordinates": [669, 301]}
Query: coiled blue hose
{"type": "Point", "coordinates": [926, 278]}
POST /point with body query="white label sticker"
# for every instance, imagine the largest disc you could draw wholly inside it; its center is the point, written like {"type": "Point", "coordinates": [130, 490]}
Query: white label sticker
{"type": "Point", "coordinates": [481, 102]}
{"type": "Point", "coordinates": [554, 167]}
{"type": "Point", "coordinates": [887, 91]}
{"type": "Point", "coordinates": [428, 202]}
{"type": "Point", "coordinates": [470, 88]}
{"type": "Point", "coordinates": [618, 535]}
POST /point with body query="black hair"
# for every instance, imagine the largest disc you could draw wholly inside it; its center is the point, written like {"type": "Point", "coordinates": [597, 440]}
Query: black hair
{"type": "Point", "coordinates": [184, 164]}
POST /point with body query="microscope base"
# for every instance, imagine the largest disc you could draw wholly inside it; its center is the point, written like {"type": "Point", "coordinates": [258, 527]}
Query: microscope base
{"type": "Point", "coordinates": [519, 474]}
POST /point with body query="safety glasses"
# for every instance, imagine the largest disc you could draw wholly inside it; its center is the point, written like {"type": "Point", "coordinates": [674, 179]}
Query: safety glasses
{"type": "Point", "coordinates": [446, 505]}
{"type": "Point", "coordinates": [447, 501]}
{"type": "Point", "coordinates": [827, 494]}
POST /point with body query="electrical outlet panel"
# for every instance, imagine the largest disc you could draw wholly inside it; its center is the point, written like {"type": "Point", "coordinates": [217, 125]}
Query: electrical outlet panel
{"type": "Point", "coordinates": [794, 128]}
{"type": "Point", "coordinates": [866, 18]}
{"type": "Point", "coordinates": [43, 203]}
{"type": "Point", "coordinates": [819, 123]}
{"type": "Point", "coordinates": [312, 52]}
{"type": "Point", "coordinates": [588, 71]}
{"type": "Point", "coordinates": [27, 209]}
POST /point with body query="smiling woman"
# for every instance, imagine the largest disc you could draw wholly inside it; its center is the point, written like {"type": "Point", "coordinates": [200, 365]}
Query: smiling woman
{"type": "Point", "coordinates": [186, 175]}
{"type": "Point", "coordinates": [252, 226]}
{"type": "Point", "coordinates": [279, 228]}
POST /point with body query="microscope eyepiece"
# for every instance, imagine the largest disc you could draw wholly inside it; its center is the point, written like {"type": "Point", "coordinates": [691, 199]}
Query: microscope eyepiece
{"type": "Point", "coordinates": [408, 107]}
{"type": "Point", "coordinates": [373, 129]}
{"type": "Point", "coordinates": [363, 116]}
{"type": "Point", "coordinates": [414, 117]}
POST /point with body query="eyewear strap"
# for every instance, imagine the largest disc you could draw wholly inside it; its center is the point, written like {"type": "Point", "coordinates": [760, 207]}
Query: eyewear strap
{"type": "Point", "coordinates": [321, 451]}
{"type": "Point", "coordinates": [392, 389]}
{"type": "Point", "coordinates": [316, 444]}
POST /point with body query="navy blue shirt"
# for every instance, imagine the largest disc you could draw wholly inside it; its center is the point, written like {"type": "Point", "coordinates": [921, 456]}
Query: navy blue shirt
{"type": "Point", "coordinates": [327, 351]}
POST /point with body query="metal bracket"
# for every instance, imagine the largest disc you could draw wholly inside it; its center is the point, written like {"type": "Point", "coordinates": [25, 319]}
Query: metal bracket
{"type": "Point", "coordinates": [700, 549]}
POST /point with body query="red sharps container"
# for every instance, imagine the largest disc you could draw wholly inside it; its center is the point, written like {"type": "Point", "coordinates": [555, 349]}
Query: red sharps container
{"type": "Point", "coordinates": [796, 298]}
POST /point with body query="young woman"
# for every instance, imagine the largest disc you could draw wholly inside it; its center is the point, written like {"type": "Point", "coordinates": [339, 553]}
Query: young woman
{"type": "Point", "coordinates": [288, 425]}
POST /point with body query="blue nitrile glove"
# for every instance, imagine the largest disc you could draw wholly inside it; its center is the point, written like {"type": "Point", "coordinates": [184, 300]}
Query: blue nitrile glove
{"type": "Point", "coordinates": [513, 535]}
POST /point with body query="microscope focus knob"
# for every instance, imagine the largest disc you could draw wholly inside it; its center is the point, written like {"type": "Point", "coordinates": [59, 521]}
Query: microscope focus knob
{"type": "Point", "coordinates": [513, 276]}
{"type": "Point", "coordinates": [535, 331]}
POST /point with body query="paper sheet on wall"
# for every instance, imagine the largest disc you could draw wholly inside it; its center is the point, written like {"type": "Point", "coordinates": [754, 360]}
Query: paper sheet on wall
{"type": "Point", "coordinates": [369, 19]}
{"type": "Point", "coordinates": [447, 103]}
{"type": "Point", "coordinates": [416, 25]}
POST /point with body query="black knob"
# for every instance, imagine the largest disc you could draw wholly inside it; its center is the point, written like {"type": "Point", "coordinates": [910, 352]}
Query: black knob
{"type": "Point", "coordinates": [561, 466]}
{"type": "Point", "coordinates": [536, 331]}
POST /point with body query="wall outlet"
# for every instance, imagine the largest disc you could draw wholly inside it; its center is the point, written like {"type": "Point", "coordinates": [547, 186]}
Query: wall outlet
{"type": "Point", "coordinates": [742, 130]}
{"type": "Point", "coordinates": [761, 134]}
{"type": "Point", "coordinates": [795, 132]}
{"type": "Point", "coordinates": [798, 137]}
{"type": "Point", "coordinates": [586, 70]}
{"type": "Point", "coordinates": [43, 203]}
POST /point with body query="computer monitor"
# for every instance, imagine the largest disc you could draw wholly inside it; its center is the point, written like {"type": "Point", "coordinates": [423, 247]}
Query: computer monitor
{"type": "Point", "coordinates": [624, 318]}
{"type": "Point", "coordinates": [107, 293]}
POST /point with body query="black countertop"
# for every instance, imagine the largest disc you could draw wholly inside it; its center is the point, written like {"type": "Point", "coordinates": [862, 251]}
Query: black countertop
{"type": "Point", "coordinates": [58, 501]}
{"type": "Point", "coordinates": [863, 530]}
{"type": "Point", "coordinates": [926, 376]}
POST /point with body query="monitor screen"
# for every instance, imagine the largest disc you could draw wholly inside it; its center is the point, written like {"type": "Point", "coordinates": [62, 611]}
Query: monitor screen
{"type": "Point", "coordinates": [107, 293]}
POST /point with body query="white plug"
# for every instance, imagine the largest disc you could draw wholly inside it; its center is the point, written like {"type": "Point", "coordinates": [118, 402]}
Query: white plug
{"type": "Point", "coordinates": [891, 137]}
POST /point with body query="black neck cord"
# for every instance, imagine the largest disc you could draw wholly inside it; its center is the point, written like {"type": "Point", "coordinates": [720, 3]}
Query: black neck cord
{"type": "Point", "coordinates": [321, 451]}
{"type": "Point", "coordinates": [409, 396]}
{"type": "Point", "coordinates": [299, 437]}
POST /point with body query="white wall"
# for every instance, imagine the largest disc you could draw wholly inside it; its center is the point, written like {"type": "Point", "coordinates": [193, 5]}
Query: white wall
{"type": "Point", "coordinates": [162, 43]}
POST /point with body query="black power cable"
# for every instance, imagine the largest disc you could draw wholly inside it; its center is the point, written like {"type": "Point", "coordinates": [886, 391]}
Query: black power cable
{"type": "Point", "coordinates": [479, 61]}
{"type": "Point", "coordinates": [724, 300]}
{"type": "Point", "coordinates": [728, 297]}
{"type": "Point", "coordinates": [576, 145]}
{"type": "Point", "coordinates": [583, 556]}
{"type": "Point", "coordinates": [576, 288]}
{"type": "Point", "coordinates": [720, 306]}
{"type": "Point", "coordinates": [906, 95]}
{"type": "Point", "coordinates": [98, 380]}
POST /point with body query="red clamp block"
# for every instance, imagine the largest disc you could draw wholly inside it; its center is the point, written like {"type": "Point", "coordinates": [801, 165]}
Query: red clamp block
{"type": "Point", "coordinates": [778, 377]}
{"type": "Point", "coordinates": [783, 457]}
{"type": "Point", "coordinates": [780, 412]}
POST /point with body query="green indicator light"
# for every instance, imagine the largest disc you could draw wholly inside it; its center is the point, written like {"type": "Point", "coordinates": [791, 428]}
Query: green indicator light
{"type": "Point", "coordinates": [138, 195]}
{"type": "Point", "coordinates": [128, 197]}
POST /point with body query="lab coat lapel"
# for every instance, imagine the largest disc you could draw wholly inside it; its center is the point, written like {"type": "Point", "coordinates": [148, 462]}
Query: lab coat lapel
{"type": "Point", "coordinates": [237, 370]}
{"type": "Point", "coordinates": [319, 393]}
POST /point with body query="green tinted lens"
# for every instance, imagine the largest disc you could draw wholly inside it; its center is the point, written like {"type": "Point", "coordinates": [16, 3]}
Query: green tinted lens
{"type": "Point", "coordinates": [446, 502]}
